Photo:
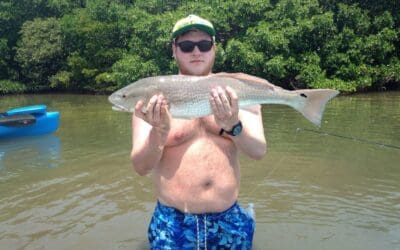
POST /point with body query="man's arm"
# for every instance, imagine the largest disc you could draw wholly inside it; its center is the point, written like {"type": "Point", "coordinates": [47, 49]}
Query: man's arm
{"type": "Point", "coordinates": [251, 140]}
{"type": "Point", "coordinates": [150, 132]}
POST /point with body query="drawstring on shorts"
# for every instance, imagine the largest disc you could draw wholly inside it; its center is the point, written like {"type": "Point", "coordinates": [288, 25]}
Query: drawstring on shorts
{"type": "Point", "coordinates": [198, 232]}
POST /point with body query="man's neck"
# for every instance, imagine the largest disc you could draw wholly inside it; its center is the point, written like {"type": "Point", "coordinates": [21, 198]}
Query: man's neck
{"type": "Point", "coordinates": [206, 74]}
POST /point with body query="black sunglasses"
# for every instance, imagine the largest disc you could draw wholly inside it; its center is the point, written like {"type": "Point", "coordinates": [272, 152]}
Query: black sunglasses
{"type": "Point", "coordinates": [188, 46]}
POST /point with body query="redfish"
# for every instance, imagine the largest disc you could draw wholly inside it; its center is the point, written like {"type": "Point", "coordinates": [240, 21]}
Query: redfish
{"type": "Point", "coordinates": [188, 96]}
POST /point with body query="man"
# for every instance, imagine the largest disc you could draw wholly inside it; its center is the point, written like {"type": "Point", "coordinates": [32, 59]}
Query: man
{"type": "Point", "coordinates": [194, 163]}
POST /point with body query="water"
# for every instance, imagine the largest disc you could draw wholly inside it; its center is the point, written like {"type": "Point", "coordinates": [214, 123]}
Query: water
{"type": "Point", "coordinates": [75, 189]}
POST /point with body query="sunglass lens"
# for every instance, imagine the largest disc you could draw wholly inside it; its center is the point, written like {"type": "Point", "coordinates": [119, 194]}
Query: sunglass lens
{"type": "Point", "coordinates": [204, 46]}
{"type": "Point", "coordinates": [187, 46]}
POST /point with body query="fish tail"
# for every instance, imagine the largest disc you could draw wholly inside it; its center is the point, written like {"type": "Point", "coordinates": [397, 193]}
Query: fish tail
{"type": "Point", "coordinates": [312, 103]}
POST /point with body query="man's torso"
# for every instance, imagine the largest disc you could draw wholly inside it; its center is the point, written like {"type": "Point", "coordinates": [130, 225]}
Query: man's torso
{"type": "Point", "coordinates": [199, 170]}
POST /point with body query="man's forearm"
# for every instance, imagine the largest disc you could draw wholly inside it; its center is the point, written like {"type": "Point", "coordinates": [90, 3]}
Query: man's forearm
{"type": "Point", "coordinates": [250, 145]}
{"type": "Point", "coordinates": [145, 157]}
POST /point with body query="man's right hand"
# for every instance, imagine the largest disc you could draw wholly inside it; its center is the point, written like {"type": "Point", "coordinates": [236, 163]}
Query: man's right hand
{"type": "Point", "coordinates": [156, 113]}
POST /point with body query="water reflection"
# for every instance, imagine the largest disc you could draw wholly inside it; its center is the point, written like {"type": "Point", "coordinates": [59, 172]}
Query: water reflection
{"type": "Point", "coordinates": [29, 152]}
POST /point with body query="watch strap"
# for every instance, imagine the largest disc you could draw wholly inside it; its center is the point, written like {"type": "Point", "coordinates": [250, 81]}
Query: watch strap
{"type": "Point", "coordinates": [231, 131]}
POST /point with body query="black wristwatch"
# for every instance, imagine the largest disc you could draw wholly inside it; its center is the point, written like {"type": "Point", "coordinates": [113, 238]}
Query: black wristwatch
{"type": "Point", "coordinates": [236, 130]}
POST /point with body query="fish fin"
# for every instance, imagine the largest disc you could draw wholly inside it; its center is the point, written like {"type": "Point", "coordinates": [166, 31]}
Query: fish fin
{"type": "Point", "coordinates": [313, 103]}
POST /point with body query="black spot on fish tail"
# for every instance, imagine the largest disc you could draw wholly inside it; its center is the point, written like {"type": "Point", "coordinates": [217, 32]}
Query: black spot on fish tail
{"type": "Point", "coordinates": [303, 95]}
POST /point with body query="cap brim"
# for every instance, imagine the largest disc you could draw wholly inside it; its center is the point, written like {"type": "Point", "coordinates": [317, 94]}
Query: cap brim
{"type": "Point", "coordinates": [197, 26]}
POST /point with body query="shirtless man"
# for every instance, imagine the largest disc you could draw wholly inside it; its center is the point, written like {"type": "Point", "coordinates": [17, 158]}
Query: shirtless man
{"type": "Point", "coordinates": [194, 163]}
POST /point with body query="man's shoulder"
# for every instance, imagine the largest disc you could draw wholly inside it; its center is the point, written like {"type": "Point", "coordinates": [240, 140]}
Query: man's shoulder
{"type": "Point", "coordinates": [254, 109]}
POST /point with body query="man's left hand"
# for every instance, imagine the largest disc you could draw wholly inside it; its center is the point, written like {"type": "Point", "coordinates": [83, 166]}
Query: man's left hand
{"type": "Point", "coordinates": [225, 106]}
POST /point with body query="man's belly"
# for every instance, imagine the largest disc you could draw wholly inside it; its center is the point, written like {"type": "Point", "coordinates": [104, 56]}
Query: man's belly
{"type": "Point", "coordinates": [199, 177]}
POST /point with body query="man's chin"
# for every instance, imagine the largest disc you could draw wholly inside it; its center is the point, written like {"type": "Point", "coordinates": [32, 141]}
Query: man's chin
{"type": "Point", "coordinates": [196, 72]}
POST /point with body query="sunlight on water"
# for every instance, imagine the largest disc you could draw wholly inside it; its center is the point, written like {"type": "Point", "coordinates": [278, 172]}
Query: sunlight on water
{"type": "Point", "coordinates": [337, 187]}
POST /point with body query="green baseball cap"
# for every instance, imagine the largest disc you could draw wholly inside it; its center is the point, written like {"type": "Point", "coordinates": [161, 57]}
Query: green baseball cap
{"type": "Point", "coordinates": [192, 22]}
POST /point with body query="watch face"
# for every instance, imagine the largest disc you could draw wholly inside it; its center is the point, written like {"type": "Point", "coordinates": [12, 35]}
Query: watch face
{"type": "Point", "coordinates": [237, 129]}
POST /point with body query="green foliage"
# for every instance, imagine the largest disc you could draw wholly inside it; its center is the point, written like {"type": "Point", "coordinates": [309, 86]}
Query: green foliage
{"type": "Point", "coordinates": [387, 76]}
{"type": "Point", "coordinates": [40, 51]}
{"type": "Point", "coordinates": [382, 21]}
{"type": "Point", "coordinates": [4, 57]}
{"type": "Point", "coordinates": [242, 57]}
{"type": "Point", "coordinates": [102, 45]}
{"type": "Point", "coordinates": [11, 87]}
{"type": "Point", "coordinates": [276, 68]}
{"type": "Point", "coordinates": [6, 16]}
{"type": "Point", "coordinates": [335, 83]}
{"type": "Point", "coordinates": [61, 80]}
{"type": "Point", "coordinates": [233, 18]}
{"type": "Point", "coordinates": [220, 59]}
{"type": "Point", "coordinates": [310, 72]}
{"type": "Point", "coordinates": [378, 48]}
{"type": "Point", "coordinates": [132, 68]}
{"type": "Point", "coordinates": [61, 7]}
{"type": "Point", "coordinates": [352, 17]}
{"type": "Point", "coordinates": [153, 44]}
{"type": "Point", "coordinates": [268, 39]}
{"type": "Point", "coordinates": [95, 38]}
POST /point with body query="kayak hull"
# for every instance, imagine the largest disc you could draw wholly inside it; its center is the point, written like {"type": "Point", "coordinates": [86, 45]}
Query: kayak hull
{"type": "Point", "coordinates": [45, 122]}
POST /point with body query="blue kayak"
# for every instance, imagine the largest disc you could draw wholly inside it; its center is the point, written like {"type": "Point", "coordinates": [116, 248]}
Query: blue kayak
{"type": "Point", "coordinates": [26, 121]}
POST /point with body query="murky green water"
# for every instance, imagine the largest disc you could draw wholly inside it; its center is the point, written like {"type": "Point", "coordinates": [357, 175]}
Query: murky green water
{"type": "Point", "coordinates": [75, 189]}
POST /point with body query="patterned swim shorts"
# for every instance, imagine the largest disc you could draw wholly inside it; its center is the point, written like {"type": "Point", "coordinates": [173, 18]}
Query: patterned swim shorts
{"type": "Point", "coordinates": [172, 229]}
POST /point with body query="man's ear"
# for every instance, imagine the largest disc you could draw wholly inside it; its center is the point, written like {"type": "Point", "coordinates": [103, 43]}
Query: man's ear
{"type": "Point", "coordinates": [173, 50]}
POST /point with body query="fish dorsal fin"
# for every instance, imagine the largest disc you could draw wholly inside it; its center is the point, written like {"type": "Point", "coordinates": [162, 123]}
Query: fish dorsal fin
{"type": "Point", "coordinates": [247, 78]}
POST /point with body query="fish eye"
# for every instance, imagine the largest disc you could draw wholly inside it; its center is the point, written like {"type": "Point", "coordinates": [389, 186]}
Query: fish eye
{"type": "Point", "coordinates": [123, 96]}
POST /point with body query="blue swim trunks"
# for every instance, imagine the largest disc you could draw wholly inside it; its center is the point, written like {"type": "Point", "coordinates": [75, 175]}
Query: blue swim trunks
{"type": "Point", "coordinates": [172, 229]}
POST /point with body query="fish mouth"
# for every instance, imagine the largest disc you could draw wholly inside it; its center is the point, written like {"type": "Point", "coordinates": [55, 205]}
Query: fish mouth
{"type": "Point", "coordinates": [118, 107]}
{"type": "Point", "coordinates": [117, 103]}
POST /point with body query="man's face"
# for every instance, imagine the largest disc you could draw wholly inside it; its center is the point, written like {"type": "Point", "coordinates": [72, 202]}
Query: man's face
{"type": "Point", "coordinates": [195, 62]}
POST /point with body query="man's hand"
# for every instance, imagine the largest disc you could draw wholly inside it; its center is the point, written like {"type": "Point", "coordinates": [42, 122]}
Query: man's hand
{"type": "Point", "coordinates": [225, 106]}
{"type": "Point", "coordinates": [156, 114]}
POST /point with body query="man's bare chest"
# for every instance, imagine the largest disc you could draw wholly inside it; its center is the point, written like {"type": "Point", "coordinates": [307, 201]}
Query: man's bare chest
{"type": "Point", "coordinates": [184, 130]}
